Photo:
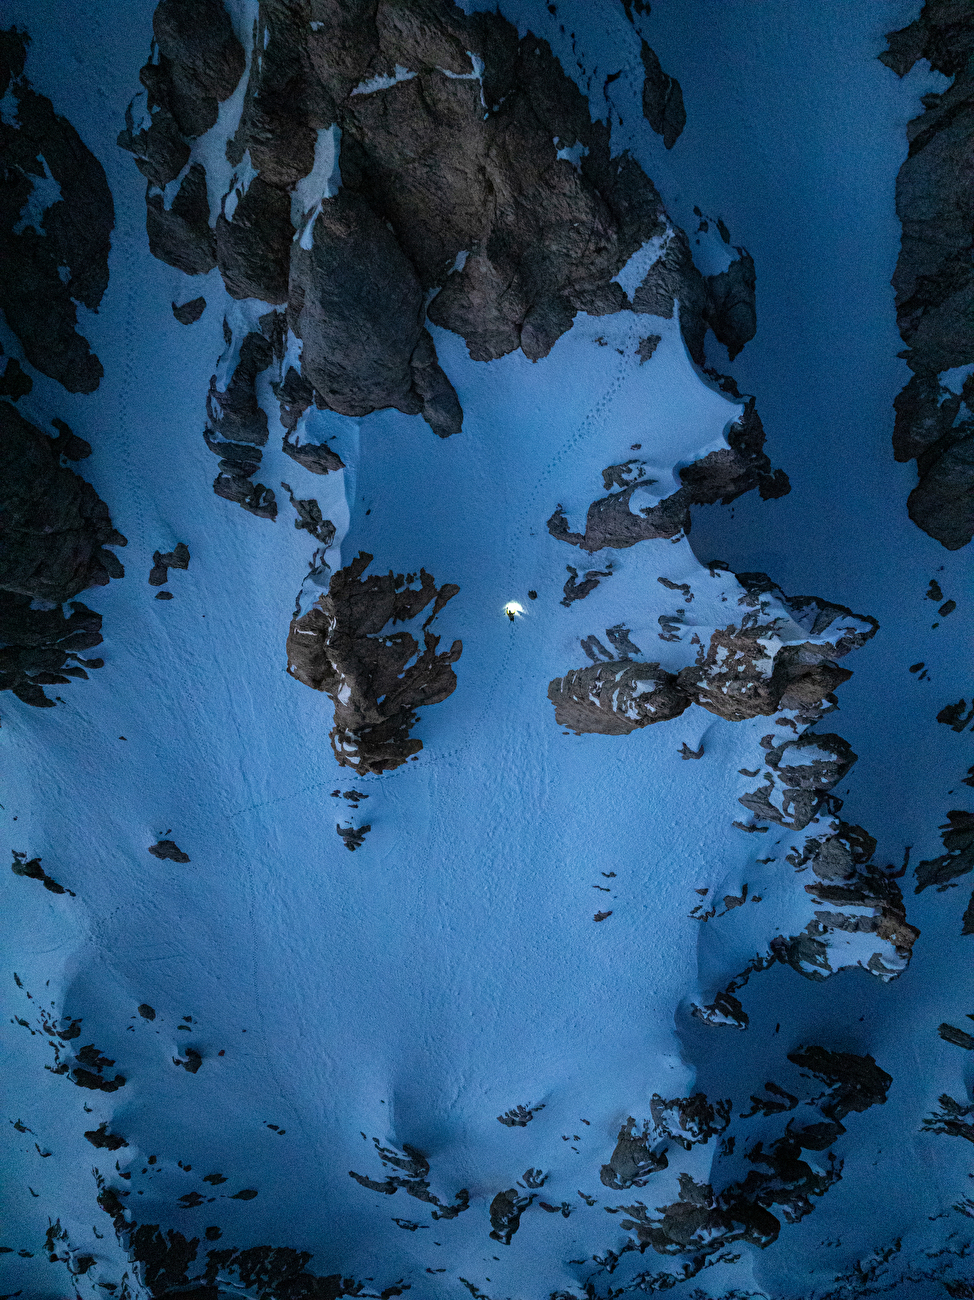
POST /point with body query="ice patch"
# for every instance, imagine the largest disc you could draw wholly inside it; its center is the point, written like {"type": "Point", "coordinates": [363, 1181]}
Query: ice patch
{"type": "Point", "coordinates": [240, 184]}
{"type": "Point", "coordinates": [477, 74]}
{"type": "Point", "coordinates": [954, 378]}
{"type": "Point", "coordinates": [383, 83]}
{"type": "Point", "coordinates": [574, 155]}
{"type": "Point", "coordinates": [322, 182]}
{"type": "Point", "coordinates": [44, 195]}
{"type": "Point", "coordinates": [635, 270]}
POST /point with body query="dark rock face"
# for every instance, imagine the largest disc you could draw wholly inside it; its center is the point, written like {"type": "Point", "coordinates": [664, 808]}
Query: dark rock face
{"type": "Point", "coordinates": [56, 219]}
{"type": "Point", "coordinates": [616, 698]}
{"type": "Point", "coordinates": [188, 313]}
{"type": "Point", "coordinates": [34, 871]}
{"type": "Point", "coordinates": [720, 476]}
{"type": "Point", "coordinates": [802, 772]}
{"type": "Point", "coordinates": [705, 1220]}
{"type": "Point", "coordinates": [741, 674]}
{"type": "Point", "coordinates": [377, 679]}
{"type": "Point", "coordinates": [54, 529]}
{"type": "Point", "coordinates": [168, 851]}
{"type": "Point", "coordinates": [736, 677]}
{"type": "Point", "coordinates": [934, 278]}
{"type": "Point", "coordinates": [453, 204]}
{"type": "Point", "coordinates": [662, 100]}
{"type": "Point", "coordinates": [845, 883]}
{"type": "Point", "coordinates": [505, 1214]}
{"type": "Point", "coordinates": [171, 1263]}
{"type": "Point", "coordinates": [633, 1162]}
{"type": "Point", "coordinates": [958, 860]}
{"type": "Point", "coordinates": [54, 525]}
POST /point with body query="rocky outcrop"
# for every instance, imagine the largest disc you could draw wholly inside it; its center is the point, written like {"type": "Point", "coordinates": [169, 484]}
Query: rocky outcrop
{"type": "Point", "coordinates": [662, 99]}
{"type": "Point", "coordinates": [54, 526]}
{"type": "Point", "coordinates": [612, 521]}
{"type": "Point", "coordinates": [751, 668]}
{"type": "Point", "coordinates": [616, 698]}
{"type": "Point", "coordinates": [934, 277]}
{"type": "Point", "coordinates": [802, 772]}
{"type": "Point", "coordinates": [505, 1214]}
{"type": "Point", "coordinates": [398, 162]}
{"type": "Point", "coordinates": [707, 1219]}
{"type": "Point", "coordinates": [858, 917]}
{"type": "Point", "coordinates": [958, 860]}
{"type": "Point", "coordinates": [413, 1178]}
{"type": "Point", "coordinates": [170, 1264]}
{"type": "Point", "coordinates": [376, 679]}
{"type": "Point", "coordinates": [634, 1161]}
{"type": "Point", "coordinates": [54, 530]}
{"type": "Point", "coordinates": [759, 665]}
{"type": "Point", "coordinates": [56, 219]}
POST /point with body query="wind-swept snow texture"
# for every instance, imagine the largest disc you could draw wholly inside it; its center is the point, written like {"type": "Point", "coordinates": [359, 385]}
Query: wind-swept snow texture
{"type": "Point", "coordinates": [650, 966]}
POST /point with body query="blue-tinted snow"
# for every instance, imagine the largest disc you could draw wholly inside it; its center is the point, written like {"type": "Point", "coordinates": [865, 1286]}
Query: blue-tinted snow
{"type": "Point", "coordinates": [451, 968]}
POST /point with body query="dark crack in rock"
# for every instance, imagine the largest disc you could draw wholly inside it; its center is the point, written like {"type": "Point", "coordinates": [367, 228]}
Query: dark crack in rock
{"type": "Point", "coordinates": [56, 219]}
{"type": "Point", "coordinates": [633, 1162]}
{"type": "Point", "coordinates": [34, 871]}
{"type": "Point", "coordinates": [376, 679]}
{"type": "Point", "coordinates": [934, 278]}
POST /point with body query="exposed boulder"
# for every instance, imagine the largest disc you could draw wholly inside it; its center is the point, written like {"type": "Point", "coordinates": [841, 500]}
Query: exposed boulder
{"type": "Point", "coordinates": [934, 277]}
{"type": "Point", "coordinates": [505, 1214]}
{"type": "Point", "coordinates": [763, 664]}
{"type": "Point", "coordinates": [689, 1120]}
{"type": "Point", "coordinates": [802, 772]}
{"type": "Point", "coordinates": [56, 219]}
{"type": "Point", "coordinates": [616, 698]}
{"type": "Point", "coordinates": [662, 100]}
{"type": "Point", "coordinates": [188, 313]}
{"type": "Point", "coordinates": [633, 1162]}
{"type": "Point", "coordinates": [376, 679]}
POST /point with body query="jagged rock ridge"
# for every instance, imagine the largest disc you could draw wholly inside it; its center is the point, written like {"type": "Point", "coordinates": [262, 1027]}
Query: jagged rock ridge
{"type": "Point", "coordinates": [54, 530]}
{"type": "Point", "coordinates": [56, 219]}
{"type": "Point", "coordinates": [397, 162]}
{"type": "Point", "coordinates": [934, 277]}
